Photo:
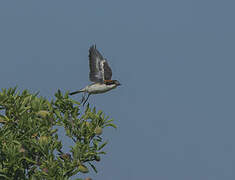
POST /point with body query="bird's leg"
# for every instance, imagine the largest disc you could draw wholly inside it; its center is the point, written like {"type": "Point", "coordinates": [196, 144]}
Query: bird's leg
{"type": "Point", "coordinates": [83, 97]}
{"type": "Point", "coordinates": [86, 99]}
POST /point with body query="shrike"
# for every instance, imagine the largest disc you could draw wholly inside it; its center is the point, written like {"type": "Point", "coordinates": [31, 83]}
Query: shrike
{"type": "Point", "coordinates": [100, 74]}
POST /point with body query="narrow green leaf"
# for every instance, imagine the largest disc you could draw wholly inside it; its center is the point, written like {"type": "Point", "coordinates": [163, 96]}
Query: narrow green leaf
{"type": "Point", "coordinates": [66, 96]}
{"type": "Point", "coordinates": [112, 125]}
{"type": "Point", "coordinates": [57, 112]}
{"type": "Point", "coordinates": [102, 152]}
{"type": "Point", "coordinates": [94, 110]}
{"type": "Point", "coordinates": [100, 113]}
{"type": "Point", "coordinates": [93, 167]}
{"type": "Point", "coordinates": [29, 160]}
{"type": "Point", "coordinates": [109, 121]}
{"type": "Point", "coordinates": [102, 145]}
{"type": "Point", "coordinates": [4, 176]}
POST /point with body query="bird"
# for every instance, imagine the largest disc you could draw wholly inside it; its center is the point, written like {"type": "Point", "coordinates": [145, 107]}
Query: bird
{"type": "Point", "coordinates": [100, 74]}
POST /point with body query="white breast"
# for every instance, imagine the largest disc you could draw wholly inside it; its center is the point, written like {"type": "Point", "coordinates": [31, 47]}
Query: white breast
{"type": "Point", "coordinates": [99, 88]}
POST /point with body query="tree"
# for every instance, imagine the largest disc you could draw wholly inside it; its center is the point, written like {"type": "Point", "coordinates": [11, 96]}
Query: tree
{"type": "Point", "coordinates": [30, 145]}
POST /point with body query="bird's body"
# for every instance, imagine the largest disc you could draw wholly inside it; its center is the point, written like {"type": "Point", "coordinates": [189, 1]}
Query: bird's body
{"type": "Point", "coordinates": [96, 88]}
{"type": "Point", "coordinates": [100, 74]}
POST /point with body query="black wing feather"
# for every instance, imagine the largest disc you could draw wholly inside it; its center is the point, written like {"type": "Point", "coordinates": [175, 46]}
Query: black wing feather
{"type": "Point", "coordinates": [107, 71]}
{"type": "Point", "coordinates": [94, 61]}
{"type": "Point", "coordinates": [99, 68]}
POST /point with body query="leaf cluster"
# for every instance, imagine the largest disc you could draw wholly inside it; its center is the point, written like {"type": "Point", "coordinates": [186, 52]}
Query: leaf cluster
{"type": "Point", "coordinates": [30, 145]}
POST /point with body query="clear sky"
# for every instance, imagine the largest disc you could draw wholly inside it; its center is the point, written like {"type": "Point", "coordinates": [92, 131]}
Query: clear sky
{"type": "Point", "coordinates": [175, 59]}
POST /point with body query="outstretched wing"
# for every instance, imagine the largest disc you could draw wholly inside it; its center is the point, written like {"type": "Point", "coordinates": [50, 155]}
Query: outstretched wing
{"type": "Point", "coordinates": [99, 68]}
{"type": "Point", "coordinates": [107, 71]}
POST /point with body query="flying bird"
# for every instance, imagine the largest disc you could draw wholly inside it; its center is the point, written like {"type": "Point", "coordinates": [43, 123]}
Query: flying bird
{"type": "Point", "coordinates": [100, 74]}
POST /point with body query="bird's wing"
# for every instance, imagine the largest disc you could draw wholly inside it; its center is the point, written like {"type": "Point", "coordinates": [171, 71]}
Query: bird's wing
{"type": "Point", "coordinates": [107, 70]}
{"type": "Point", "coordinates": [99, 68]}
{"type": "Point", "coordinates": [95, 59]}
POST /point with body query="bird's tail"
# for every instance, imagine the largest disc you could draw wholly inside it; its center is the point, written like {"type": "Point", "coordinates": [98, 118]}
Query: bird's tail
{"type": "Point", "coordinates": [76, 92]}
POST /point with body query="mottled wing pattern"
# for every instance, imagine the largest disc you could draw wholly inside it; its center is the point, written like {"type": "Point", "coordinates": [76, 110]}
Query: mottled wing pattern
{"type": "Point", "coordinates": [107, 71]}
{"type": "Point", "coordinates": [99, 68]}
{"type": "Point", "coordinates": [95, 59]}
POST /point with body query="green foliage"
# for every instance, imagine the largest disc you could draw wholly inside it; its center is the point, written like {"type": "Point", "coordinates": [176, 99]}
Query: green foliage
{"type": "Point", "coordinates": [30, 146]}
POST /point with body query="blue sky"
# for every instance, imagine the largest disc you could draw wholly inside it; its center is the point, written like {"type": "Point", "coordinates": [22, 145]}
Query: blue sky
{"type": "Point", "coordinates": [175, 59]}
